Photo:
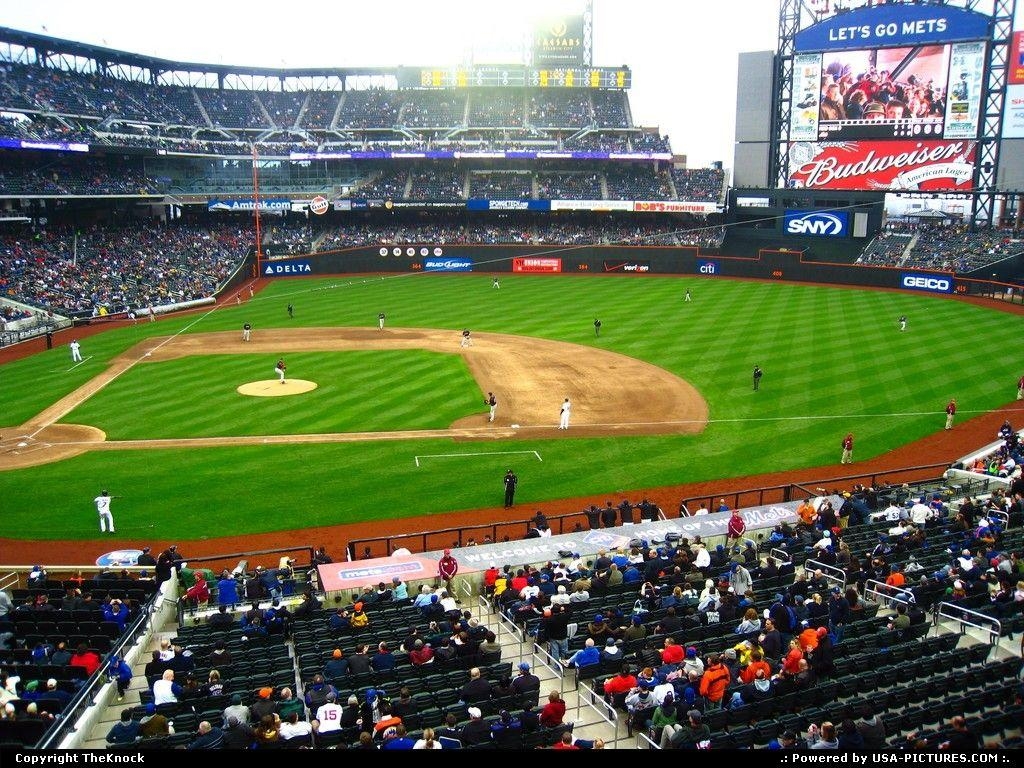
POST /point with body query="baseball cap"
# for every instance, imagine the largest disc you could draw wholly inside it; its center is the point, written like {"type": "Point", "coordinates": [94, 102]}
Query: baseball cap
{"type": "Point", "coordinates": [524, 667]}
{"type": "Point", "coordinates": [598, 618]}
{"type": "Point", "coordinates": [474, 712]}
{"type": "Point", "coordinates": [266, 692]}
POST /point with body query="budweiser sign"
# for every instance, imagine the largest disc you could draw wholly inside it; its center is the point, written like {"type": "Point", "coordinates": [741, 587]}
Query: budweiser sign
{"type": "Point", "coordinates": [895, 165]}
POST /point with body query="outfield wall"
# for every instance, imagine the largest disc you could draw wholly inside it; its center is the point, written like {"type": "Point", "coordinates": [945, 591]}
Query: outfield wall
{"type": "Point", "coordinates": [782, 265]}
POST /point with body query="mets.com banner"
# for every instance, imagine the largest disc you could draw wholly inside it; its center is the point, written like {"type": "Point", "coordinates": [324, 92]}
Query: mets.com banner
{"type": "Point", "coordinates": [877, 165]}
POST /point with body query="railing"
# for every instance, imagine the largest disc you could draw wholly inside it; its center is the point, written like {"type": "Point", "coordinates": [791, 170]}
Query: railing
{"type": "Point", "coordinates": [772, 494]}
{"type": "Point", "coordinates": [780, 556]}
{"type": "Point", "coordinates": [968, 618]}
{"type": "Point", "coordinates": [66, 722]}
{"type": "Point", "coordinates": [883, 594]}
{"type": "Point", "coordinates": [830, 572]}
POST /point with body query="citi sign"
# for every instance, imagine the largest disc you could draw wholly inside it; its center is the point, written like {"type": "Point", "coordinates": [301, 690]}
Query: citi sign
{"type": "Point", "coordinates": [816, 223]}
{"type": "Point", "coordinates": [707, 267]}
{"type": "Point", "coordinates": [926, 283]}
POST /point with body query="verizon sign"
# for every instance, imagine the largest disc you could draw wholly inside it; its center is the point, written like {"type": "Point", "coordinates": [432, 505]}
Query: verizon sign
{"type": "Point", "coordinates": [870, 165]}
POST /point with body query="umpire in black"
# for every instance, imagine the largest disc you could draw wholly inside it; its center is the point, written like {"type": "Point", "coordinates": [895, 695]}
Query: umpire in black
{"type": "Point", "coordinates": [511, 481]}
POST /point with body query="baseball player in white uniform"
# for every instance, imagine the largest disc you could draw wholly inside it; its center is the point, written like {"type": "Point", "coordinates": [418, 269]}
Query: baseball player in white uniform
{"type": "Point", "coordinates": [279, 369]}
{"type": "Point", "coordinates": [246, 330]}
{"type": "Point", "coordinates": [76, 351]}
{"type": "Point", "coordinates": [563, 421]}
{"type": "Point", "coordinates": [103, 507]}
{"type": "Point", "coordinates": [380, 321]}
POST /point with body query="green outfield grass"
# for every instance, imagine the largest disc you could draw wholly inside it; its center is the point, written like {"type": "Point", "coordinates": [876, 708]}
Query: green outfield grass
{"type": "Point", "coordinates": [834, 361]}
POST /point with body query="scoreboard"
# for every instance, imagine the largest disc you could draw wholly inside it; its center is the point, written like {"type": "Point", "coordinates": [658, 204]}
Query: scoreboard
{"type": "Point", "coordinates": [517, 77]}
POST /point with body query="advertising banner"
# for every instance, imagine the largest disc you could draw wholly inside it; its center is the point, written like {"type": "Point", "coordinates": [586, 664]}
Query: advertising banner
{"type": "Point", "coordinates": [926, 282]}
{"type": "Point", "coordinates": [803, 117]}
{"type": "Point", "coordinates": [1015, 71]}
{"type": "Point", "coordinates": [674, 206]}
{"type": "Point", "coordinates": [482, 204]}
{"type": "Point", "coordinates": [591, 205]}
{"type": "Point", "coordinates": [248, 204]}
{"type": "Point", "coordinates": [536, 264]}
{"type": "Point", "coordinates": [626, 266]}
{"type": "Point", "coordinates": [897, 24]}
{"type": "Point", "coordinates": [966, 83]}
{"type": "Point", "coordinates": [290, 268]}
{"type": "Point", "coordinates": [558, 41]}
{"type": "Point", "coordinates": [708, 267]}
{"type": "Point", "coordinates": [877, 165]}
{"type": "Point", "coordinates": [1013, 113]}
{"type": "Point", "coordinates": [446, 264]}
{"type": "Point", "coordinates": [816, 223]}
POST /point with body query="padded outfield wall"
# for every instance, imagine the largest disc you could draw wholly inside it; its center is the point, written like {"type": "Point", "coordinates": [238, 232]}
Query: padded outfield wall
{"type": "Point", "coordinates": [768, 264]}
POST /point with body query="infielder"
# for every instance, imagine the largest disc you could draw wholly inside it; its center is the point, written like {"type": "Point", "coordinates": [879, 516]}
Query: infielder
{"type": "Point", "coordinates": [103, 508]}
{"type": "Point", "coordinates": [76, 351]}
{"type": "Point", "coordinates": [492, 402]}
{"type": "Point", "coordinates": [246, 329]}
{"type": "Point", "coordinates": [563, 419]}
{"type": "Point", "coordinates": [380, 321]}
{"type": "Point", "coordinates": [279, 369]}
{"type": "Point", "coordinates": [467, 339]}
{"type": "Point", "coordinates": [903, 322]}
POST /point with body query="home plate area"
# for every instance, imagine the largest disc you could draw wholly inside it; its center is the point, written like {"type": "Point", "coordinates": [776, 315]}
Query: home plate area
{"type": "Point", "coordinates": [276, 388]}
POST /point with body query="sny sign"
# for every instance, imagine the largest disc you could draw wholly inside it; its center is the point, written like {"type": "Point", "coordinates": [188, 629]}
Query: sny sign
{"type": "Point", "coordinates": [816, 223]}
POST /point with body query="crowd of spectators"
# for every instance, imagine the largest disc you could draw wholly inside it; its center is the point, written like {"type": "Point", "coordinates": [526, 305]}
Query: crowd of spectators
{"type": "Point", "coordinates": [1005, 459]}
{"type": "Point", "coordinates": [553, 109]}
{"type": "Point", "coordinates": [610, 110]}
{"type": "Point", "coordinates": [501, 185]}
{"type": "Point", "coordinates": [947, 245]}
{"type": "Point", "coordinates": [360, 110]}
{"type": "Point", "coordinates": [104, 270]}
{"type": "Point", "coordinates": [388, 185]}
{"type": "Point", "coordinates": [699, 184]}
{"type": "Point", "coordinates": [71, 175]}
{"type": "Point", "coordinates": [496, 108]}
{"type": "Point", "coordinates": [569, 186]}
{"type": "Point", "coordinates": [442, 184]}
{"type": "Point", "coordinates": [523, 230]}
{"type": "Point", "coordinates": [637, 182]}
{"type": "Point", "coordinates": [433, 109]}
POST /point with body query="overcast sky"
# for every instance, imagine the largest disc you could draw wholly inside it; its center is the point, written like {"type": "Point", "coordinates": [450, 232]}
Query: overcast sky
{"type": "Point", "coordinates": [683, 54]}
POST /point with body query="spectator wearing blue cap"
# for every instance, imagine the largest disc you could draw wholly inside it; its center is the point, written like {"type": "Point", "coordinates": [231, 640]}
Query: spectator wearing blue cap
{"type": "Point", "coordinates": [526, 686]}
{"type": "Point", "coordinates": [740, 579]}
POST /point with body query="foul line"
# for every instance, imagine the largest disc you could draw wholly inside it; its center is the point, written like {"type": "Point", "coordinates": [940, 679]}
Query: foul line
{"type": "Point", "coordinates": [478, 453]}
{"type": "Point", "coordinates": [80, 362]}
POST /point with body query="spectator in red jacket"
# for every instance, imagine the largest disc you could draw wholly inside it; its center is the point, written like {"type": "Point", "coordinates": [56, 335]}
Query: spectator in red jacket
{"type": "Point", "coordinates": [620, 684]}
{"type": "Point", "coordinates": [737, 527]}
{"type": "Point", "coordinates": [447, 567]}
{"type": "Point", "coordinates": [553, 711]}
{"type": "Point", "coordinates": [672, 653]}
{"type": "Point", "coordinates": [86, 658]}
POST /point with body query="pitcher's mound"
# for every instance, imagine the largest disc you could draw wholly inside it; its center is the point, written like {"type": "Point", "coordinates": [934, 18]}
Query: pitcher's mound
{"type": "Point", "coordinates": [274, 387]}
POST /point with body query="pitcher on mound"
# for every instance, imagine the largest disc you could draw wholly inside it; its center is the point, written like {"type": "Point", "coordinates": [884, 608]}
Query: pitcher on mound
{"type": "Point", "coordinates": [279, 369]}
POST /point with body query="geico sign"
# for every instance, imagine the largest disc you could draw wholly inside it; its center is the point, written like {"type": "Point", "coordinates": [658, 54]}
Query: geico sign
{"type": "Point", "coordinates": [926, 283]}
{"type": "Point", "coordinates": [816, 224]}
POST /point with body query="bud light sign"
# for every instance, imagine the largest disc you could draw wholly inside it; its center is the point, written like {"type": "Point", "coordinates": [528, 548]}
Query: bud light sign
{"type": "Point", "coordinates": [447, 265]}
{"type": "Point", "coordinates": [933, 283]}
{"type": "Point", "coordinates": [816, 223]}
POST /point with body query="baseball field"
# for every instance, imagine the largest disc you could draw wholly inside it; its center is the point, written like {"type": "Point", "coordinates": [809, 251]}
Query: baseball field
{"type": "Point", "coordinates": [396, 426]}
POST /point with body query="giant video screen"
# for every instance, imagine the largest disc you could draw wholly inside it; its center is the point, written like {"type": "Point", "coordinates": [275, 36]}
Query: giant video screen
{"type": "Point", "coordinates": [920, 92]}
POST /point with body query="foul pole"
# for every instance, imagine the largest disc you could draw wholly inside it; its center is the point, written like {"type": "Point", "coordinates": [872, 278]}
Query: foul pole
{"type": "Point", "coordinates": [256, 208]}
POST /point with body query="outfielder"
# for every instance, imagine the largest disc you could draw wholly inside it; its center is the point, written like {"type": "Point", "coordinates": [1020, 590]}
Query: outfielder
{"type": "Point", "coordinates": [279, 369]}
{"type": "Point", "coordinates": [103, 508]}
{"type": "Point", "coordinates": [380, 321]}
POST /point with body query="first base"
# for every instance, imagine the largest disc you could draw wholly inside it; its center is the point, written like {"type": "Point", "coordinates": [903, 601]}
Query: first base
{"type": "Point", "coordinates": [22, 445]}
{"type": "Point", "coordinates": [514, 426]}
